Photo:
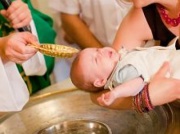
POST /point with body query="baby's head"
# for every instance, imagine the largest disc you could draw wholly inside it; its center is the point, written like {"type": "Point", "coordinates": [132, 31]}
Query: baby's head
{"type": "Point", "coordinates": [92, 67]}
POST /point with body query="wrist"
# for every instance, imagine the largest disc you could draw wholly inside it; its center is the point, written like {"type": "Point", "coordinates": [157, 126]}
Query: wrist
{"type": "Point", "coordinates": [142, 102]}
{"type": "Point", "coordinates": [2, 52]}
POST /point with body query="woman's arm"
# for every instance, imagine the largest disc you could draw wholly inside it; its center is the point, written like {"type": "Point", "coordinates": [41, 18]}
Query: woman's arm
{"type": "Point", "coordinates": [133, 31]}
{"type": "Point", "coordinates": [162, 90]}
{"type": "Point", "coordinates": [78, 31]}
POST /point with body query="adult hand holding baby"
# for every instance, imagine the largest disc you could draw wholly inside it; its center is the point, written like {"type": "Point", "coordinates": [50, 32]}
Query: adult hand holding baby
{"type": "Point", "coordinates": [162, 89]}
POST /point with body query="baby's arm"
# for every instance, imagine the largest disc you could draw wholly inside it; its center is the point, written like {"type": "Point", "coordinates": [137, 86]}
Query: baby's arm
{"type": "Point", "coordinates": [129, 88]}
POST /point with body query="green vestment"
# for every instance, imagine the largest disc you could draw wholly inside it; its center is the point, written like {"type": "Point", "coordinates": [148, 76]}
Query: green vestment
{"type": "Point", "coordinates": [46, 34]}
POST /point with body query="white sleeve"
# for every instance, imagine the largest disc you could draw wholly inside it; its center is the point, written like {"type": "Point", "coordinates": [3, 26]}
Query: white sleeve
{"type": "Point", "coordinates": [13, 91]}
{"type": "Point", "coordinates": [172, 43]}
{"type": "Point", "coordinates": [66, 6]}
{"type": "Point", "coordinates": [35, 65]}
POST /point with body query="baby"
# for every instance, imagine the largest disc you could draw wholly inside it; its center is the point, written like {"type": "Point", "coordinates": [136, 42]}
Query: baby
{"type": "Point", "coordinates": [124, 73]}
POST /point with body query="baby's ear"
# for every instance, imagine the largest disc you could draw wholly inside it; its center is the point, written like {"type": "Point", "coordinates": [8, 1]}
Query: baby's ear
{"type": "Point", "coordinates": [99, 82]}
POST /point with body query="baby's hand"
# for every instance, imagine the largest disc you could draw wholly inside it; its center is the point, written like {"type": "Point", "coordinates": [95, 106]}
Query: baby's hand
{"type": "Point", "coordinates": [106, 99]}
{"type": "Point", "coordinates": [18, 14]}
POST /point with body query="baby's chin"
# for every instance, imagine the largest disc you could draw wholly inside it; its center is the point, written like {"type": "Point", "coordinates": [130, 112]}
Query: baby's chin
{"type": "Point", "coordinates": [117, 57]}
{"type": "Point", "coordinates": [115, 60]}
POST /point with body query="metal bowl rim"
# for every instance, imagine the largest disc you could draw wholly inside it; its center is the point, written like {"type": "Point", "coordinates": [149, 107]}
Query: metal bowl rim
{"type": "Point", "coordinates": [74, 120]}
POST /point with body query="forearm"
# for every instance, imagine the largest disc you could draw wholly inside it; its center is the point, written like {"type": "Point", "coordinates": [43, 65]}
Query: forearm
{"type": "Point", "coordinates": [159, 95]}
{"type": "Point", "coordinates": [128, 88]}
{"type": "Point", "coordinates": [78, 31]}
{"type": "Point", "coordinates": [118, 104]}
{"type": "Point", "coordinates": [164, 93]}
{"type": "Point", "coordinates": [130, 35]}
{"type": "Point", "coordinates": [161, 89]}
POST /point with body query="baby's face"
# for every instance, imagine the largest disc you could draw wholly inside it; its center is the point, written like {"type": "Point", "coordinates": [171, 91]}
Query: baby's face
{"type": "Point", "coordinates": [99, 62]}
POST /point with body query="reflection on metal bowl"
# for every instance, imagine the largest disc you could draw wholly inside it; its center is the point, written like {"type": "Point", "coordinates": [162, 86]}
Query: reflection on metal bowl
{"type": "Point", "coordinates": [77, 127]}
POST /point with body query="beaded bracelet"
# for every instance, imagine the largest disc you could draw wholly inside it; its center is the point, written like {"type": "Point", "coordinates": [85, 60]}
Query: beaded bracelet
{"type": "Point", "coordinates": [147, 98]}
{"type": "Point", "coordinates": [142, 102]}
